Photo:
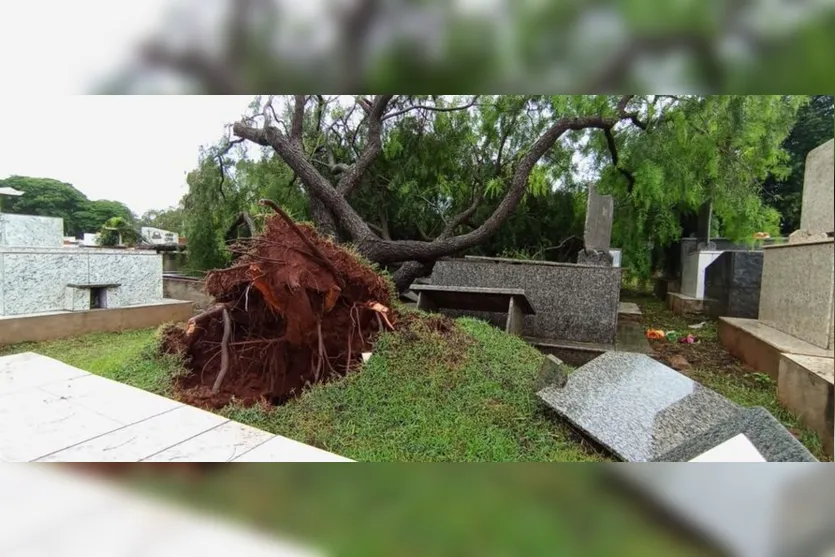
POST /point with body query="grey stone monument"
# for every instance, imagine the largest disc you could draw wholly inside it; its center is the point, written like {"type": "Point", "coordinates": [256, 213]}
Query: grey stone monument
{"type": "Point", "coordinates": [597, 236]}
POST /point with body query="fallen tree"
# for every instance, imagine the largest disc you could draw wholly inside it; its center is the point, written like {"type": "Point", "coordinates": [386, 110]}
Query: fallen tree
{"type": "Point", "coordinates": [294, 309]}
{"type": "Point", "coordinates": [330, 197]}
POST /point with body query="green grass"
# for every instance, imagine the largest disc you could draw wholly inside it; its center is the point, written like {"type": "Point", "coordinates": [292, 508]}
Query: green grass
{"type": "Point", "coordinates": [129, 357]}
{"type": "Point", "coordinates": [424, 396]}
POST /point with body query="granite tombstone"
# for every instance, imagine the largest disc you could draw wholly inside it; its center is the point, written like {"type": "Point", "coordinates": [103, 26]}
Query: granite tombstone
{"type": "Point", "coordinates": [636, 407]}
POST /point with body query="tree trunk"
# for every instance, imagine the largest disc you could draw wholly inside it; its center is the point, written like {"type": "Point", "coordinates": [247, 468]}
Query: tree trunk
{"type": "Point", "coordinates": [408, 272]}
{"type": "Point", "coordinates": [323, 218]}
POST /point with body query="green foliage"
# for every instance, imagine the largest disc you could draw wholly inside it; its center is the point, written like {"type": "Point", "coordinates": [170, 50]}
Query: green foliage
{"type": "Point", "coordinates": [117, 231]}
{"type": "Point", "coordinates": [130, 357]}
{"type": "Point", "coordinates": [815, 125]}
{"type": "Point", "coordinates": [171, 219]}
{"type": "Point", "coordinates": [215, 199]}
{"type": "Point", "coordinates": [720, 148]}
{"type": "Point", "coordinates": [435, 163]}
{"type": "Point", "coordinates": [52, 198]}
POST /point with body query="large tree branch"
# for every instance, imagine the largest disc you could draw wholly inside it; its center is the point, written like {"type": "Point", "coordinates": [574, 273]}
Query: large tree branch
{"type": "Point", "coordinates": [373, 144]}
{"type": "Point", "coordinates": [432, 108]}
{"type": "Point", "coordinates": [389, 252]}
{"type": "Point", "coordinates": [613, 151]}
{"type": "Point", "coordinates": [316, 184]}
{"type": "Point", "coordinates": [214, 75]}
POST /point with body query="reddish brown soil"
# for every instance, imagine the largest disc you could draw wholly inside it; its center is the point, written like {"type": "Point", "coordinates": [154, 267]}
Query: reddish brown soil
{"type": "Point", "coordinates": [296, 319]}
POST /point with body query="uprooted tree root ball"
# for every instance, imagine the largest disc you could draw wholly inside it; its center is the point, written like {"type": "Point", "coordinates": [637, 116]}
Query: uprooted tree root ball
{"type": "Point", "coordinates": [294, 309]}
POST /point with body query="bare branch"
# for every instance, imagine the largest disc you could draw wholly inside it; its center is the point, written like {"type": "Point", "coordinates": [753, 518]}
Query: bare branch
{"type": "Point", "coordinates": [613, 151]}
{"type": "Point", "coordinates": [214, 75]}
{"type": "Point", "coordinates": [432, 108]}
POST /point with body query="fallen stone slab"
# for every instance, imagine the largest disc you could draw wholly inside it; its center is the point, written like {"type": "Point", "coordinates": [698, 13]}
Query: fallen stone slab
{"type": "Point", "coordinates": [767, 435]}
{"type": "Point", "coordinates": [636, 407]}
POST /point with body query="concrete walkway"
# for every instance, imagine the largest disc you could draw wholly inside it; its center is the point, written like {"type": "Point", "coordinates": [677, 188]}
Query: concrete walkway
{"type": "Point", "coordinates": [51, 411]}
{"type": "Point", "coordinates": [53, 512]}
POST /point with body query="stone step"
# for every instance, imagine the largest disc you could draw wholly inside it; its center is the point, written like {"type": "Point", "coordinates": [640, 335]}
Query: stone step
{"type": "Point", "coordinates": [805, 388]}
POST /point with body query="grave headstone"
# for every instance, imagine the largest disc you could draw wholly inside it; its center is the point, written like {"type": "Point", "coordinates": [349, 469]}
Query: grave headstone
{"type": "Point", "coordinates": [816, 215]}
{"type": "Point", "coordinates": [635, 406]}
{"type": "Point", "coordinates": [732, 284]}
{"type": "Point", "coordinates": [704, 226]}
{"type": "Point", "coordinates": [597, 236]}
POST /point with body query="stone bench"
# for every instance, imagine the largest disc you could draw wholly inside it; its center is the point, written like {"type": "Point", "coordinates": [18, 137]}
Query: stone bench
{"type": "Point", "coordinates": [471, 298]}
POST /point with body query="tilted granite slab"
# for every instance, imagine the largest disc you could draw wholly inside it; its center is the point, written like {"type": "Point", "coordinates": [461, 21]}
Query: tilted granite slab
{"type": "Point", "coordinates": [636, 407]}
{"type": "Point", "coordinates": [773, 441]}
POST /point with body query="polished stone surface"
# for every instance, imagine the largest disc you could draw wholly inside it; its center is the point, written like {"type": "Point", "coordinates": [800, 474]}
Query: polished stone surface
{"type": "Point", "coordinates": [635, 406]}
{"type": "Point", "coordinates": [735, 449]}
{"type": "Point", "coordinates": [572, 302]}
{"type": "Point", "coordinates": [732, 284]}
{"type": "Point", "coordinates": [472, 298]}
{"type": "Point", "coordinates": [50, 411]}
{"type": "Point", "coordinates": [817, 211]}
{"type": "Point", "coordinates": [796, 296]}
{"type": "Point", "coordinates": [36, 280]}
{"type": "Point", "coordinates": [599, 214]}
{"type": "Point", "coordinates": [773, 441]}
{"type": "Point", "coordinates": [31, 231]}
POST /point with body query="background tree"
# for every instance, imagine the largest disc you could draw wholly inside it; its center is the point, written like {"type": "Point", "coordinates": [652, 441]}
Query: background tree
{"type": "Point", "coordinates": [172, 219]}
{"type": "Point", "coordinates": [118, 231]}
{"type": "Point", "coordinates": [815, 125]}
{"type": "Point", "coordinates": [654, 154]}
{"type": "Point", "coordinates": [52, 198]}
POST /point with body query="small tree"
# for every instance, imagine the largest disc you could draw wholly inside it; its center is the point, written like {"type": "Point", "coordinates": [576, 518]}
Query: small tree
{"type": "Point", "coordinates": [116, 232]}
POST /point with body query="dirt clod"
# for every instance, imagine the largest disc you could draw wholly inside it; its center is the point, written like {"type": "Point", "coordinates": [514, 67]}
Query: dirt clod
{"type": "Point", "coordinates": [679, 363]}
{"type": "Point", "coordinates": [302, 311]}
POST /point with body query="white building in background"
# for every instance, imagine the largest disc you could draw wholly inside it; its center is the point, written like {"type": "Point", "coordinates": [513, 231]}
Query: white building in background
{"type": "Point", "coordinates": [159, 237]}
{"type": "Point", "coordinates": [90, 239]}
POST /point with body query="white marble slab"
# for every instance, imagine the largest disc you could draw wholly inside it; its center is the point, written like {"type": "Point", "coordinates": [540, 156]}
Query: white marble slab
{"type": "Point", "coordinates": [221, 444]}
{"type": "Point", "coordinates": [117, 401]}
{"type": "Point", "coordinates": [50, 512]}
{"type": "Point", "coordinates": [35, 283]}
{"type": "Point", "coordinates": [27, 370]}
{"type": "Point", "coordinates": [31, 231]}
{"type": "Point", "coordinates": [138, 274]}
{"type": "Point", "coordinates": [37, 423]}
{"type": "Point", "coordinates": [735, 449]}
{"type": "Point", "coordinates": [142, 439]}
{"type": "Point", "coordinates": [282, 449]}
{"type": "Point", "coordinates": [50, 411]}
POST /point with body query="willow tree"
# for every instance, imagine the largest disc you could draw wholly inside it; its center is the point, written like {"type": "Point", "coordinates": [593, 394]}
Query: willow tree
{"type": "Point", "coordinates": [656, 154]}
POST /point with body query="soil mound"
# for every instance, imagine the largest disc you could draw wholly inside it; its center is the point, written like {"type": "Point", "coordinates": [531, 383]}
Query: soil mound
{"type": "Point", "coordinates": [294, 309]}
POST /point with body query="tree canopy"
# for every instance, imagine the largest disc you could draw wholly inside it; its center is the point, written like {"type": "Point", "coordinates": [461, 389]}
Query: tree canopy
{"type": "Point", "coordinates": [408, 179]}
{"type": "Point", "coordinates": [814, 126]}
{"type": "Point", "coordinates": [52, 198]}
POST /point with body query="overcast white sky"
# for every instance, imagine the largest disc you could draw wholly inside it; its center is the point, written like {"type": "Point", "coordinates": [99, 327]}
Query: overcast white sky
{"type": "Point", "coordinates": [134, 149]}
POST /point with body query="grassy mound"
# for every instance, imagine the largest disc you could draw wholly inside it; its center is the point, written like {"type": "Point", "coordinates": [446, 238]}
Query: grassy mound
{"type": "Point", "coordinates": [464, 391]}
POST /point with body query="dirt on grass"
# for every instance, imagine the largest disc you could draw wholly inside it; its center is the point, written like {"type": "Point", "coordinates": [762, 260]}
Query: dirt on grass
{"type": "Point", "coordinates": [294, 309]}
